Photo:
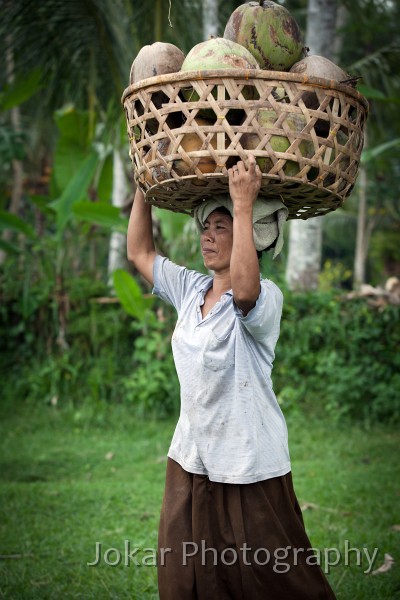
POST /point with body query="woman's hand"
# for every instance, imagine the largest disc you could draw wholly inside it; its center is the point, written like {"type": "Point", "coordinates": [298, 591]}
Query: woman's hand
{"type": "Point", "coordinates": [244, 184]}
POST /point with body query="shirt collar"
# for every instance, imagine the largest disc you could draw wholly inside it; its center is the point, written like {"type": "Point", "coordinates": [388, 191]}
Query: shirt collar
{"type": "Point", "coordinates": [205, 285]}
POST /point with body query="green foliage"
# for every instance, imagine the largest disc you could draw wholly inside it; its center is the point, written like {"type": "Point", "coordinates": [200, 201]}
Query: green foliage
{"type": "Point", "coordinates": [152, 388]}
{"type": "Point", "coordinates": [10, 221]}
{"type": "Point", "coordinates": [130, 295]}
{"type": "Point", "coordinates": [100, 213]}
{"type": "Point", "coordinates": [339, 356]}
{"type": "Point", "coordinates": [333, 275]}
{"type": "Point", "coordinates": [74, 191]}
{"type": "Point", "coordinates": [20, 89]}
{"type": "Point", "coordinates": [372, 153]}
{"type": "Point", "coordinates": [12, 146]}
{"type": "Point", "coordinates": [73, 143]}
{"type": "Point", "coordinates": [65, 341]}
{"type": "Point", "coordinates": [385, 253]}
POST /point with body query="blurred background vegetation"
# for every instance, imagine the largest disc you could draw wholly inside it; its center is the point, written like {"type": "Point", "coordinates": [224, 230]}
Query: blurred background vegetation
{"type": "Point", "coordinates": [79, 329]}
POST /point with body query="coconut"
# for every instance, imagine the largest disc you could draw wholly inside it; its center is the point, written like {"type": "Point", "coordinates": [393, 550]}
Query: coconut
{"type": "Point", "coordinates": [279, 143]}
{"type": "Point", "coordinates": [318, 66]}
{"type": "Point", "coordinates": [219, 53]}
{"type": "Point", "coordinates": [159, 172]}
{"type": "Point", "coordinates": [269, 32]}
{"type": "Point", "coordinates": [158, 59]}
{"type": "Point", "coordinates": [327, 158]}
{"type": "Point", "coordinates": [192, 143]}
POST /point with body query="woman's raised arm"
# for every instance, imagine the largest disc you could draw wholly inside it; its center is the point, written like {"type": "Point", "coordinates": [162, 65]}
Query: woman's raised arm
{"type": "Point", "coordinates": [140, 242]}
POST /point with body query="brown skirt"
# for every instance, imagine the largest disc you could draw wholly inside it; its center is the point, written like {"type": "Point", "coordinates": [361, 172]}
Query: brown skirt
{"type": "Point", "coordinates": [222, 541]}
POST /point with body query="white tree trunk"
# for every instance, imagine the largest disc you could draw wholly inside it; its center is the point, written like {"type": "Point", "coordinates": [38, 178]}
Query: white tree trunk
{"type": "Point", "coordinates": [360, 254]}
{"type": "Point", "coordinates": [305, 237]}
{"type": "Point", "coordinates": [303, 264]}
{"type": "Point", "coordinates": [210, 18]}
{"type": "Point", "coordinates": [362, 237]}
{"type": "Point", "coordinates": [321, 27]}
{"type": "Point", "coordinates": [120, 191]}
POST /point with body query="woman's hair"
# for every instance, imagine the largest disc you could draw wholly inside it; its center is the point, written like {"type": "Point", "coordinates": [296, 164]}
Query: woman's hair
{"type": "Point", "coordinates": [223, 210]}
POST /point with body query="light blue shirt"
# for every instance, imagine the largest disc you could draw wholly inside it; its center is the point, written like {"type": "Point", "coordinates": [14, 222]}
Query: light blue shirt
{"type": "Point", "coordinates": [230, 427]}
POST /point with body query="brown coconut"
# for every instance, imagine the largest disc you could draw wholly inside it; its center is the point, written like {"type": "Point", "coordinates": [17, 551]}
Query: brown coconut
{"type": "Point", "coordinates": [159, 172]}
{"type": "Point", "coordinates": [191, 143]}
{"type": "Point", "coordinates": [159, 58]}
{"type": "Point", "coordinates": [318, 66]}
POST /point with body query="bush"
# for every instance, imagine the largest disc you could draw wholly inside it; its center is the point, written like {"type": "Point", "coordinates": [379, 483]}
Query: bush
{"type": "Point", "coordinates": [339, 356]}
{"type": "Point", "coordinates": [152, 387]}
{"type": "Point", "coordinates": [334, 355]}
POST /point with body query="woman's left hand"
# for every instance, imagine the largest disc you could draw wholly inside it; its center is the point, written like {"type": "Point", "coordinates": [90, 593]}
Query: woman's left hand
{"type": "Point", "coordinates": [244, 184]}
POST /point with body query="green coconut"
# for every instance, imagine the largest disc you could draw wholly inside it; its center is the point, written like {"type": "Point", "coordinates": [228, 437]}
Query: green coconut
{"type": "Point", "coordinates": [269, 32]}
{"type": "Point", "coordinates": [219, 53]}
{"type": "Point", "coordinates": [279, 143]}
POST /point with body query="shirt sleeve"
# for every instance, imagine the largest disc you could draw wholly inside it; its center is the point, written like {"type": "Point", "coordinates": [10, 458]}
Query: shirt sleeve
{"type": "Point", "coordinates": [172, 282]}
{"type": "Point", "coordinates": [264, 318]}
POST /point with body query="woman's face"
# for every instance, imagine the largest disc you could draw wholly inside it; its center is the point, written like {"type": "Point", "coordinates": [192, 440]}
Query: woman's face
{"type": "Point", "coordinates": [216, 241]}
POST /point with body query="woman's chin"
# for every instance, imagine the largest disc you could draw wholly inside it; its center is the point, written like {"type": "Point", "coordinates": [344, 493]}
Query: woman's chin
{"type": "Point", "coordinates": [209, 259]}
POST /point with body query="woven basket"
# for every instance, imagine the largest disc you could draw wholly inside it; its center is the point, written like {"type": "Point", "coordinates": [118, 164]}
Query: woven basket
{"type": "Point", "coordinates": [311, 166]}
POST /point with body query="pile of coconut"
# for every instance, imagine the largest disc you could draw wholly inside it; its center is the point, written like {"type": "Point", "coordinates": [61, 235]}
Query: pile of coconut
{"type": "Point", "coordinates": [258, 35]}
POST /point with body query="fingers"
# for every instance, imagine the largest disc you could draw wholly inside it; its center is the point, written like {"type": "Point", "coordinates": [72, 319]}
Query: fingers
{"type": "Point", "coordinates": [232, 172]}
{"type": "Point", "coordinates": [240, 168]}
{"type": "Point", "coordinates": [252, 163]}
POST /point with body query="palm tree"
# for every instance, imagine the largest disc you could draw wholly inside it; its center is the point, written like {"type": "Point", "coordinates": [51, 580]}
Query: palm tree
{"type": "Point", "coordinates": [83, 51]}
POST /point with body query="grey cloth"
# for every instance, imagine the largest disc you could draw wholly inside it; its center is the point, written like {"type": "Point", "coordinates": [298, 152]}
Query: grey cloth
{"type": "Point", "coordinates": [269, 218]}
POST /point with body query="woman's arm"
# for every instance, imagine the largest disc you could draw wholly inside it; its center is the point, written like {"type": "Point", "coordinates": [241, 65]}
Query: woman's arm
{"type": "Point", "coordinates": [140, 243]}
{"type": "Point", "coordinates": [244, 185]}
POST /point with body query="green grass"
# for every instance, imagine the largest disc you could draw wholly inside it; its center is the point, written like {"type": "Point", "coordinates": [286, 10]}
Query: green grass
{"type": "Point", "coordinates": [68, 482]}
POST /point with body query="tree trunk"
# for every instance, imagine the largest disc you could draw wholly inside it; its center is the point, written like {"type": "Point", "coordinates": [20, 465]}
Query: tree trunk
{"type": "Point", "coordinates": [210, 18]}
{"type": "Point", "coordinates": [303, 264]}
{"type": "Point", "coordinates": [321, 27]}
{"type": "Point", "coordinates": [360, 257]}
{"type": "Point", "coordinates": [18, 175]}
{"type": "Point", "coordinates": [120, 191]}
{"type": "Point", "coordinates": [158, 21]}
{"type": "Point", "coordinates": [305, 237]}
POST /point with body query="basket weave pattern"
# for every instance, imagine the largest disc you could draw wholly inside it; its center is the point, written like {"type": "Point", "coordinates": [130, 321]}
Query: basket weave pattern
{"type": "Point", "coordinates": [312, 169]}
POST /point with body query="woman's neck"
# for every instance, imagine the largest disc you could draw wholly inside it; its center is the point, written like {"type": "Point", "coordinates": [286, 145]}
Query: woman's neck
{"type": "Point", "coordinates": [221, 283]}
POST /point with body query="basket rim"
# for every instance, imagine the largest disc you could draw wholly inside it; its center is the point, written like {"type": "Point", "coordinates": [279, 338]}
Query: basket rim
{"type": "Point", "coordinates": [247, 74]}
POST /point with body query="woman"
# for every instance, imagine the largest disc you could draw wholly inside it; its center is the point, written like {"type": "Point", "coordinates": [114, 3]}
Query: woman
{"type": "Point", "coordinates": [231, 526]}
